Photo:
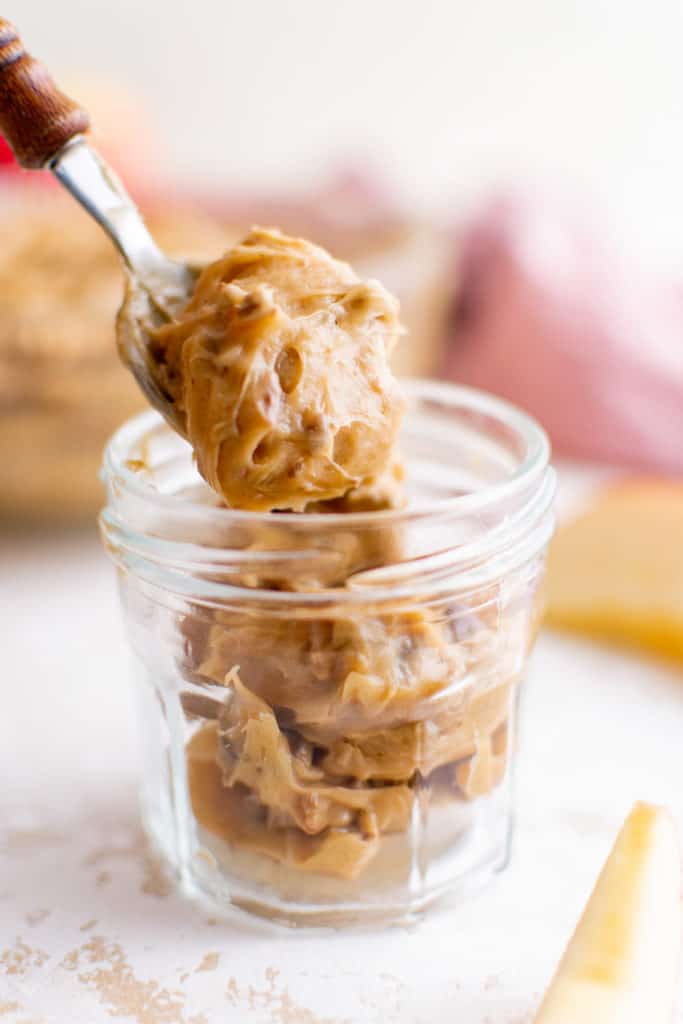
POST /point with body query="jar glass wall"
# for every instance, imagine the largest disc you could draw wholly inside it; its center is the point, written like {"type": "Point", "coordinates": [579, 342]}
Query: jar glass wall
{"type": "Point", "coordinates": [328, 701]}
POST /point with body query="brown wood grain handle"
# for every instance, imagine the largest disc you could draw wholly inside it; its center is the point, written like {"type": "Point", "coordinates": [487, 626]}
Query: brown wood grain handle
{"type": "Point", "coordinates": [35, 117]}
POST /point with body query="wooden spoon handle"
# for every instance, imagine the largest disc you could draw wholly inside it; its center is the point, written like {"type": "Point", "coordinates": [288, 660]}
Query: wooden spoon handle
{"type": "Point", "coordinates": [35, 117]}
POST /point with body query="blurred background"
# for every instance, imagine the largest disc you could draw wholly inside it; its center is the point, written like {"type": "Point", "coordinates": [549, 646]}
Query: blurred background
{"type": "Point", "coordinates": [511, 171]}
{"type": "Point", "coordinates": [448, 100]}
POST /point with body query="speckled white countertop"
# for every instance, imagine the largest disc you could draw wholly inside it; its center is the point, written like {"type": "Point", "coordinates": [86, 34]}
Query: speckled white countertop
{"type": "Point", "coordinates": [91, 931]}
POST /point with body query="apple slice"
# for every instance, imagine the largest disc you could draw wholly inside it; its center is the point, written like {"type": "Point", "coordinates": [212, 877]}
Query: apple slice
{"type": "Point", "coordinates": [616, 572]}
{"type": "Point", "coordinates": [621, 966]}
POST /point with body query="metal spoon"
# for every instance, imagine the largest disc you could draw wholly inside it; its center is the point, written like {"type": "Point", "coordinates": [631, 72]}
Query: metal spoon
{"type": "Point", "coordinates": [46, 132]}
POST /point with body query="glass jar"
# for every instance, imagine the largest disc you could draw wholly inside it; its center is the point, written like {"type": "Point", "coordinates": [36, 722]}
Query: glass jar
{"type": "Point", "coordinates": [328, 700]}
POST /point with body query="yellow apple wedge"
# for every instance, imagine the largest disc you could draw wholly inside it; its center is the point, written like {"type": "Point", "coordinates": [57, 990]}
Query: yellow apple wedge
{"type": "Point", "coordinates": [621, 966]}
{"type": "Point", "coordinates": [616, 571]}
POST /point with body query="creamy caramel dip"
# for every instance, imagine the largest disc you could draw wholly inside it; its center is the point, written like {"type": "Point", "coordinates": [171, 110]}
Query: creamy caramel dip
{"type": "Point", "coordinates": [344, 722]}
{"type": "Point", "coordinates": [317, 738]}
{"type": "Point", "coordinates": [279, 369]}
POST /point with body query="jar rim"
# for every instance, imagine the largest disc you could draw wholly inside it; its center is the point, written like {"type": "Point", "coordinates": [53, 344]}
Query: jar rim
{"type": "Point", "coordinates": [532, 465]}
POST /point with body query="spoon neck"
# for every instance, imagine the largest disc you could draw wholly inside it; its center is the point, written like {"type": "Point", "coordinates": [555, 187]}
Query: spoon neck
{"type": "Point", "coordinates": [83, 172]}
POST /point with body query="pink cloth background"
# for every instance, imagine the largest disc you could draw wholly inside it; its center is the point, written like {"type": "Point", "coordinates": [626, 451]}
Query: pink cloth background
{"type": "Point", "coordinates": [551, 316]}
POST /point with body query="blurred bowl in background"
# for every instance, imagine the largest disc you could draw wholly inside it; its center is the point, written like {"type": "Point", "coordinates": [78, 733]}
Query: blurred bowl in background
{"type": "Point", "coordinates": [62, 387]}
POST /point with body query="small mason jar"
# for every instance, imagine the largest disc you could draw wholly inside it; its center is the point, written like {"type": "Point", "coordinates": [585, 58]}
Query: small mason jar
{"type": "Point", "coordinates": [327, 700]}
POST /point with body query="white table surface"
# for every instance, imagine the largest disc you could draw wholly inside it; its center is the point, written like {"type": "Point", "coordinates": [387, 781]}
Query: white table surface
{"type": "Point", "coordinates": [90, 931]}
